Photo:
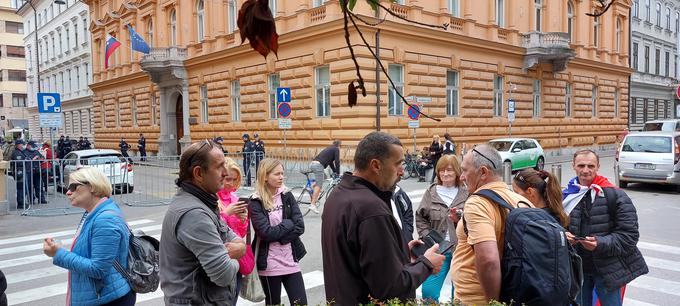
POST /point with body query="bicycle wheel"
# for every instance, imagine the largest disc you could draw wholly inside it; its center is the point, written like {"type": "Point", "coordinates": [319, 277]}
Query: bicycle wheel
{"type": "Point", "coordinates": [303, 198]}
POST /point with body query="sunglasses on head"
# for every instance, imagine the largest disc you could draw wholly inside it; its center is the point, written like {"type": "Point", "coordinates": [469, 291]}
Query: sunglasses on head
{"type": "Point", "coordinates": [203, 144]}
{"type": "Point", "coordinates": [482, 155]}
{"type": "Point", "coordinates": [73, 186]}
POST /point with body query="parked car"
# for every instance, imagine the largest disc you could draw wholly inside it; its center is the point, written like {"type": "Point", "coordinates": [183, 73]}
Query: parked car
{"type": "Point", "coordinates": [670, 125]}
{"type": "Point", "coordinates": [520, 152]}
{"type": "Point", "coordinates": [649, 157]}
{"type": "Point", "coordinates": [110, 162]}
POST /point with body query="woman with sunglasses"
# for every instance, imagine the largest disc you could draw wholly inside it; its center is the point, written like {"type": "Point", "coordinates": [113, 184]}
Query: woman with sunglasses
{"type": "Point", "coordinates": [543, 190]}
{"type": "Point", "coordinates": [101, 238]}
{"type": "Point", "coordinates": [235, 215]}
{"type": "Point", "coordinates": [446, 195]}
{"type": "Point", "coordinates": [278, 225]}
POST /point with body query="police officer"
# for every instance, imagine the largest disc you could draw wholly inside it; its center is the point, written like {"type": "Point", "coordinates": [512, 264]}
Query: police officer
{"type": "Point", "coordinates": [141, 144]}
{"type": "Point", "coordinates": [60, 147]}
{"type": "Point", "coordinates": [259, 150]}
{"type": "Point", "coordinates": [248, 151]}
{"type": "Point", "coordinates": [86, 144]}
{"type": "Point", "coordinates": [17, 166]}
{"type": "Point", "coordinates": [81, 143]}
{"type": "Point", "coordinates": [68, 146]}
{"type": "Point", "coordinates": [124, 147]}
{"type": "Point", "coordinates": [32, 171]}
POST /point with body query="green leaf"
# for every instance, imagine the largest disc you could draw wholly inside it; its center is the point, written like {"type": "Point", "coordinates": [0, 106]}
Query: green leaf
{"type": "Point", "coordinates": [373, 4]}
{"type": "Point", "coordinates": [352, 3]}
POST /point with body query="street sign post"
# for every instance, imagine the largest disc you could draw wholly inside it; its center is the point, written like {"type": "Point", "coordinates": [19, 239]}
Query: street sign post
{"type": "Point", "coordinates": [511, 115]}
{"type": "Point", "coordinates": [284, 110]}
{"type": "Point", "coordinates": [285, 123]}
{"type": "Point", "coordinates": [414, 123]}
{"type": "Point", "coordinates": [49, 107]}
{"type": "Point", "coordinates": [283, 97]}
{"type": "Point", "coordinates": [283, 94]}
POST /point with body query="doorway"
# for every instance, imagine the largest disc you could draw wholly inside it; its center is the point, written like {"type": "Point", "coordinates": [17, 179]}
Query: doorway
{"type": "Point", "coordinates": [179, 123]}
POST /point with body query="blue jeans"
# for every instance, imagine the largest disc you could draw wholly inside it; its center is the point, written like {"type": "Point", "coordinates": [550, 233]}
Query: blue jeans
{"type": "Point", "coordinates": [432, 286]}
{"type": "Point", "coordinates": [607, 297]}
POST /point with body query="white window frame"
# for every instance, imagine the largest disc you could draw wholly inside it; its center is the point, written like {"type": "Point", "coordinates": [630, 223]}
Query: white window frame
{"type": "Point", "coordinates": [133, 110]}
{"type": "Point", "coordinates": [668, 18]}
{"type": "Point", "coordinates": [677, 22]}
{"type": "Point", "coordinates": [500, 13]}
{"type": "Point", "coordinates": [274, 81]}
{"type": "Point", "coordinates": [636, 8]}
{"type": "Point", "coordinates": [658, 14]}
{"type": "Point", "coordinates": [619, 30]}
{"type": "Point", "coordinates": [200, 20]}
{"type": "Point", "coordinates": [154, 121]}
{"type": "Point", "coordinates": [596, 31]}
{"type": "Point", "coordinates": [322, 92]}
{"type": "Point", "coordinates": [235, 101]}
{"type": "Point", "coordinates": [538, 15]}
{"type": "Point", "coordinates": [273, 6]}
{"type": "Point", "coordinates": [395, 106]}
{"type": "Point", "coordinates": [454, 7]}
{"type": "Point", "coordinates": [594, 101]}
{"type": "Point", "coordinates": [568, 100]}
{"type": "Point", "coordinates": [648, 10]}
{"type": "Point", "coordinates": [617, 94]}
{"type": "Point", "coordinates": [636, 56]}
{"type": "Point", "coordinates": [149, 32]}
{"type": "Point", "coordinates": [173, 27]}
{"type": "Point", "coordinates": [667, 64]}
{"type": "Point", "coordinates": [75, 34]}
{"type": "Point", "coordinates": [452, 93]}
{"type": "Point", "coordinates": [231, 15]}
{"type": "Point", "coordinates": [203, 96]}
{"type": "Point", "coordinates": [570, 20]}
{"type": "Point", "coordinates": [498, 95]}
{"type": "Point", "coordinates": [318, 3]}
{"type": "Point", "coordinates": [537, 98]}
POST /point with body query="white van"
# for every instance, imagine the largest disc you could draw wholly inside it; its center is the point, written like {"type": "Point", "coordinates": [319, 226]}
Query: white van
{"type": "Point", "coordinates": [649, 157]}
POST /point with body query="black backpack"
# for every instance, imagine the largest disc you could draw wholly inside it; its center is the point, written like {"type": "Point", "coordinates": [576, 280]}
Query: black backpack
{"type": "Point", "coordinates": [538, 266]}
{"type": "Point", "coordinates": [142, 272]}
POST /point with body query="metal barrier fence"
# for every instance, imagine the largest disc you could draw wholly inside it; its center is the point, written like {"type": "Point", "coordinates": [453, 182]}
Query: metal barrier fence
{"type": "Point", "coordinates": [38, 187]}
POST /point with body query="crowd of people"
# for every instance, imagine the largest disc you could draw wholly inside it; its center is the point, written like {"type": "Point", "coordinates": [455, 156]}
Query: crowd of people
{"type": "Point", "coordinates": [215, 244]}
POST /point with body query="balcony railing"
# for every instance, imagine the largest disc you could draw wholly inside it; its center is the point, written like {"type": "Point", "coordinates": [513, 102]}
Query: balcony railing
{"type": "Point", "coordinates": [317, 14]}
{"type": "Point", "coordinates": [165, 63]}
{"type": "Point", "coordinates": [545, 40]}
{"type": "Point", "coordinates": [162, 54]}
{"type": "Point", "coordinates": [551, 47]}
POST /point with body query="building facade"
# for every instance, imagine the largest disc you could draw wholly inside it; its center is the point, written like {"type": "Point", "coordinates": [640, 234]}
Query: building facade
{"type": "Point", "coordinates": [654, 46]}
{"type": "Point", "coordinates": [13, 113]}
{"type": "Point", "coordinates": [568, 73]}
{"type": "Point", "coordinates": [64, 67]}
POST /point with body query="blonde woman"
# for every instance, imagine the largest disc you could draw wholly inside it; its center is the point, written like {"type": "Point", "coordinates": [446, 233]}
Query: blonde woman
{"type": "Point", "coordinates": [235, 214]}
{"type": "Point", "coordinates": [101, 237]}
{"type": "Point", "coordinates": [278, 225]}
{"type": "Point", "coordinates": [447, 194]}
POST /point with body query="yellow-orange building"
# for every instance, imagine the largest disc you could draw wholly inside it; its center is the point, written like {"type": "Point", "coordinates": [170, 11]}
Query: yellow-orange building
{"type": "Point", "coordinates": [567, 72]}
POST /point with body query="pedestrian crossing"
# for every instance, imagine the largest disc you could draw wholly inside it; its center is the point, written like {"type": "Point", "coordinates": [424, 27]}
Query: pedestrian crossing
{"type": "Point", "coordinates": [33, 280]}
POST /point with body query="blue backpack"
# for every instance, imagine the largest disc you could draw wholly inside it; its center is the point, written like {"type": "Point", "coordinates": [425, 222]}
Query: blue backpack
{"type": "Point", "coordinates": [538, 266]}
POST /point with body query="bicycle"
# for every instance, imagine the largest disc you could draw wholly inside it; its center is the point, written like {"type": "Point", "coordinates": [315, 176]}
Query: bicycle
{"type": "Point", "coordinates": [303, 195]}
{"type": "Point", "coordinates": [410, 166]}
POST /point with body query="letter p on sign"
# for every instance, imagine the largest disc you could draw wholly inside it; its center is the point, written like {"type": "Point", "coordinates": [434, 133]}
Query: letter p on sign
{"type": "Point", "coordinates": [49, 103]}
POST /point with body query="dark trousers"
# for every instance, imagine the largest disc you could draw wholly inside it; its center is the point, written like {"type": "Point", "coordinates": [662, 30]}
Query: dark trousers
{"type": "Point", "coordinates": [127, 300]}
{"type": "Point", "coordinates": [294, 284]}
{"type": "Point", "coordinates": [142, 152]}
{"type": "Point", "coordinates": [34, 186]}
{"type": "Point", "coordinates": [22, 189]}
{"type": "Point", "coordinates": [125, 154]}
{"type": "Point", "coordinates": [434, 170]}
{"type": "Point", "coordinates": [258, 157]}
{"type": "Point", "coordinates": [246, 168]}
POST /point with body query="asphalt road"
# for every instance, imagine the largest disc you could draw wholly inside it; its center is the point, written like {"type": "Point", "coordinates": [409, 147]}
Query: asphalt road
{"type": "Point", "coordinates": [34, 281]}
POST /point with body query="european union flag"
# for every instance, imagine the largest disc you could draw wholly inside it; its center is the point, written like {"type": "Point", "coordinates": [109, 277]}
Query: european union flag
{"type": "Point", "coordinates": [138, 43]}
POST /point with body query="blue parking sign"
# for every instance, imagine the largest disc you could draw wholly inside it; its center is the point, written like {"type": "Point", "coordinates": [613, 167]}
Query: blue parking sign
{"type": "Point", "coordinates": [49, 102]}
{"type": "Point", "coordinates": [283, 94]}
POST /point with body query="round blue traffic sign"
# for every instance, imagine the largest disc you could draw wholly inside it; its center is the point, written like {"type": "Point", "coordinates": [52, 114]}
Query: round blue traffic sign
{"type": "Point", "coordinates": [284, 109]}
{"type": "Point", "coordinates": [414, 112]}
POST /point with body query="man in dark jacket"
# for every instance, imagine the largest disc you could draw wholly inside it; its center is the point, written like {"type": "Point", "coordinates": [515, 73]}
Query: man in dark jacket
{"type": "Point", "coordinates": [604, 231]}
{"type": "Point", "coordinates": [68, 146]}
{"type": "Point", "coordinates": [86, 144]}
{"type": "Point", "coordinates": [402, 208]}
{"type": "Point", "coordinates": [198, 251]}
{"type": "Point", "coordinates": [60, 147]}
{"type": "Point", "coordinates": [248, 151]}
{"type": "Point", "coordinates": [18, 165]}
{"type": "Point", "coordinates": [141, 145]}
{"type": "Point", "coordinates": [364, 254]}
{"type": "Point", "coordinates": [328, 157]}
{"type": "Point", "coordinates": [258, 144]}
{"type": "Point", "coordinates": [124, 147]}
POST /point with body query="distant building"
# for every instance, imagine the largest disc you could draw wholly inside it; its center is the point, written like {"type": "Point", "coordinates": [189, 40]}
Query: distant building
{"type": "Point", "coordinates": [654, 30]}
{"type": "Point", "coordinates": [65, 64]}
{"type": "Point", "coordinates": [13, 112]}
{"type": "Point", "coordinates": [567, 72]}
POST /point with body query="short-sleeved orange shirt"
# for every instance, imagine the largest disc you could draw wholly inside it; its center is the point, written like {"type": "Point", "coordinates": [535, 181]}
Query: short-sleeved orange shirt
{"type": "Point", "coordinates": [484, 223]}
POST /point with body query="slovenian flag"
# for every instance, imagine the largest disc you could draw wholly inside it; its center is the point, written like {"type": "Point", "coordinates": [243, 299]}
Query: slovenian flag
{"type": "Point", "coordinates": [111, 45]}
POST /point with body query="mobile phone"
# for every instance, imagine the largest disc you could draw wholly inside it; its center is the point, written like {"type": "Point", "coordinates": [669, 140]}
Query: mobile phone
{"type": "Point", "coordinates": [579, 238]}
{"type": "Point", "coordinates": [451, 245]}
{"type": "Point", "coordinates": [246, 200]}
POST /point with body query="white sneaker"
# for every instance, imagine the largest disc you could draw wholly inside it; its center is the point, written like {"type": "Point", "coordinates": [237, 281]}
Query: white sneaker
{"type": "Point", "coordinates": [314, 209]}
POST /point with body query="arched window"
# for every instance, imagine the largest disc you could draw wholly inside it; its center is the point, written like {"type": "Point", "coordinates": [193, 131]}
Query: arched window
{"type": "Point", "coordinates": [570, 20]}
{"type": "Point", "coordinates": [538, 10]}
{"type": "Point", "coordinates": [668, 18]}
{"type": "Point", "coordinates": [149, 32]}
{"type": "Point", "coordinates": [231, 15]}
{"type": "Point", "coordinates": [648, 16]}
{"type": "Point", "coordinates": [658, 14]}
{"type": "Point", "coordinates": [199, 19]}
{"type": "Point", "coordinates": [173, 27]}
{"type": "Point", "coordinates": [596, 31]}
{"type": "Point", "coordinates": [618, 35]}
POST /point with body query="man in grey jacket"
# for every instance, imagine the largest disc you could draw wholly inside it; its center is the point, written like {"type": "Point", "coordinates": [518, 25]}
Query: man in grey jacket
{"type": "Point", "coordinates": [198, 251]}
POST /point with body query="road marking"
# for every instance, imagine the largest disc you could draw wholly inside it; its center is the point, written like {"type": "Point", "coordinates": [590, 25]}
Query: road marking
{"type": "Point", "coordinates": [414, 193]}
{"type": "Point", "coordinates": [57, 234]}
{"type": "Point", "coordinates": [662, 264]}
{"type": "Point", "coordinates": [631, 302]}
{"type": "Point", "coordinates": [36, 294]}
{"type": "Point", "coordinates": [311, 279]}
{"type": "Point", "coordinates": [34, 274]}
{"type": "Point", "coordinates": [657, 285]}
{"type": "Point", "coordinates": [64, 242]}
{"type": "Point", "coordinates": [659, 247]}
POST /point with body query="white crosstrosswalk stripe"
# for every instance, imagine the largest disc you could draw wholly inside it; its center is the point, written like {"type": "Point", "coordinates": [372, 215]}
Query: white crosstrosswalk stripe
{"type": "Point", "coordinates": [58, 234]}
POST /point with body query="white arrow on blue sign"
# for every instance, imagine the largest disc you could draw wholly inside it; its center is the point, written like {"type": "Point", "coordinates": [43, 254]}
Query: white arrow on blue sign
{"type": "Point", "coordinates": [49, 102]}
{"type": "Point", "coordinates": [283, 94]}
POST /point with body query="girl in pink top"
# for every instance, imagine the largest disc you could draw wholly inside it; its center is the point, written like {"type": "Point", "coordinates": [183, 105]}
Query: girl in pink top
{"type": "Point", "coordinates": [235, 214]}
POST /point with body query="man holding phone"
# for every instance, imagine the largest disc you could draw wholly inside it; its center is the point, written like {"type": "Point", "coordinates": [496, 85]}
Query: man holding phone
{"type": "Point", "coordinates": [603, 226]}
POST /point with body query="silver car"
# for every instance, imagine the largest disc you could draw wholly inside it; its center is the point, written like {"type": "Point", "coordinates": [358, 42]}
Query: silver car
{"type": "Point", "coordinates": [649, 157]}
{"type": "Point", "coordinates": [110, 162]}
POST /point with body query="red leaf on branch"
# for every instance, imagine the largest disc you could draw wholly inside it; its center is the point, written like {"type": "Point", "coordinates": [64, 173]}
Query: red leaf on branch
{"type": "Point", "coordinates": [256, 23]}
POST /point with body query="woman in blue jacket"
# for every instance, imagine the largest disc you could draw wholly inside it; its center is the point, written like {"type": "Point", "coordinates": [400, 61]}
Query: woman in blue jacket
{"type": "Point", "coordinates": [102, 237]}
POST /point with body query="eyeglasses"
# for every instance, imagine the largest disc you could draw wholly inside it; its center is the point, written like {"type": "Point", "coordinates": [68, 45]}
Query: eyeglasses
{"type": "Point", "coordinates": [482, 155]}
{"type": "Point", "coordinates": [73, 186]}
{"type": "Point", "coordinates": [191, 157]}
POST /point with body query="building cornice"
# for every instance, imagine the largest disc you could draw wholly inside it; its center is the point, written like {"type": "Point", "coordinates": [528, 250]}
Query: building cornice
{"type": "Point", "coordinates": [130, 78]}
